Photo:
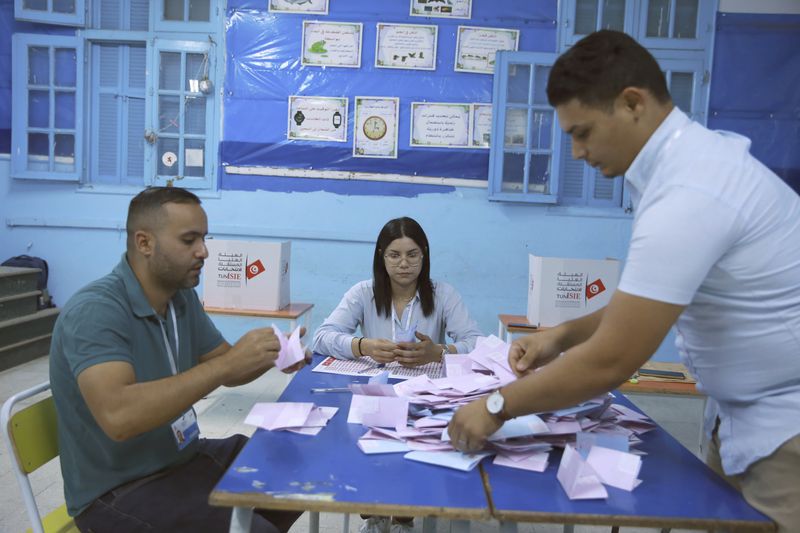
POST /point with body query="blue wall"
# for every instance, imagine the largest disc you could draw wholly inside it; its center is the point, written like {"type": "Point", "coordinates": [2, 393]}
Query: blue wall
{"type": "Point", "coordinates": [478, 246]}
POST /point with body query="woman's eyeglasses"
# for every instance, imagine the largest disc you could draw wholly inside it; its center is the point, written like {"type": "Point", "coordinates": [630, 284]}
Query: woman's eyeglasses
{"type": "Point", "coordinates": [413, 258]}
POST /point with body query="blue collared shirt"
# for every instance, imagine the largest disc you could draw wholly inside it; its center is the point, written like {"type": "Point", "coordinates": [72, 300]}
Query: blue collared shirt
{"type": "Point", "coordinates": [716, 231]}
{"type": "Point", "coordinates": [357, 310]}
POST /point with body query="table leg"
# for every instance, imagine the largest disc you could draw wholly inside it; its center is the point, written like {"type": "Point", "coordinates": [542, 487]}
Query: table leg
{"type": "Point", "coordinates": [346, 523]}
{"type": "Point", "coordinates": [313, 522]}
{"type": "Point", "coordinates": [241, 517]}
{"type": "Point", "coordinates": [508, 527]}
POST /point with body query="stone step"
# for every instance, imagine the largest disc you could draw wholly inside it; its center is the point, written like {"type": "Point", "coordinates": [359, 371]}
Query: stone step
{"type": "Point", "coordinates": [18, 304]}
{"type": "Point", "coordinates": [20, 329]}
{"type": "Point", "coordinates": [16, 280]}
{"type": "Point", "coordinates": [24, 351]}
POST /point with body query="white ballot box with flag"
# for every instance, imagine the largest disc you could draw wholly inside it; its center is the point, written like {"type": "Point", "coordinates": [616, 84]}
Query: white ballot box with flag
{"type": "Point", "coordinates": [561, 289]}
{"type": "Point", "coordinates": [246, 275]}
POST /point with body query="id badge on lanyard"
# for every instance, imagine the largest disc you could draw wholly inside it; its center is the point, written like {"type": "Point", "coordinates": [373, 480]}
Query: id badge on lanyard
{"type": "Point", "coordinates": [185, 428]}
{"type": "Point", "coordinates": [407, 333]}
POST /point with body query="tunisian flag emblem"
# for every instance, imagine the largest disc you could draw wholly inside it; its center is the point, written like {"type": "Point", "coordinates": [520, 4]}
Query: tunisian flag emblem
{"type": "Point", "coordinates": [594, 288]}
{"type": "Point", "coordinates": [255, 268]}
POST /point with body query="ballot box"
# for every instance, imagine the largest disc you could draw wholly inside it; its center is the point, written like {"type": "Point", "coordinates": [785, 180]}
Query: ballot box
{"type": "Point", "coordinates": [560, 289]}
{"type": "Point", "coordinates": [246, 274]}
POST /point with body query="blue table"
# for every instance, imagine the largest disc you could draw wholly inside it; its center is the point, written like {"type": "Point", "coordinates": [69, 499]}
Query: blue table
{"type": "Point", "coordinates": [328, 473]}
{"type": "Point", "coordinates": [677, 490]}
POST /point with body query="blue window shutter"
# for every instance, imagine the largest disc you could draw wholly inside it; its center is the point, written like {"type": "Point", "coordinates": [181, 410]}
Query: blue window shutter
{"type": "Point", "coordinates": [573, 185]}
{"type": "Point", "coordinates": [118, 96]}
{"type": "Point", "coordinates": [47, 97]}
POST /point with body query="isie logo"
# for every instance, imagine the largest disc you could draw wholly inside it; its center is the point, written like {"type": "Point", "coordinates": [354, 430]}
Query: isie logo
{"type": "Point", "coordinates": [255, 268]}
{"type": "Point", "coordinates": [594, 288]}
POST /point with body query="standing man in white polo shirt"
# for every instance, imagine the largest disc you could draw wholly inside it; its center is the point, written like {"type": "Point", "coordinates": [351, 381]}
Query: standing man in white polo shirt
{"type": "Point", "coordinates": [715, 251]}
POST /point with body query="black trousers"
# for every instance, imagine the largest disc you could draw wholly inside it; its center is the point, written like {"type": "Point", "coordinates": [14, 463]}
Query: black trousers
{"type": "Point", "coordinates": [176, 499]}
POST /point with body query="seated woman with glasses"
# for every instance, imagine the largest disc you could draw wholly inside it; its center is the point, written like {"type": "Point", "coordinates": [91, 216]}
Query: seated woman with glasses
{"type": "Point", "coordinates": [403, 315]}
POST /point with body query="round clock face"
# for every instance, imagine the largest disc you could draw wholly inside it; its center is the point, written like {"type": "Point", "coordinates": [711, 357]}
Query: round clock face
{"type": "Point", "coordinates": [375, 128]}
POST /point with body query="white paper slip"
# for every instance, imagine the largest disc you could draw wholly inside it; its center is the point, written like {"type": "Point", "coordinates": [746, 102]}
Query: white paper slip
{"type": "Point", "coordinates": [372, 446]}
{"type": "Point", "coordinates": [578, 479]}
{"type": "Point", "coordinates": [615, 468]}
{"type": "Point", "coordinates": [535, 463]}
{"type": "Point", "coordinates": [455, 460]}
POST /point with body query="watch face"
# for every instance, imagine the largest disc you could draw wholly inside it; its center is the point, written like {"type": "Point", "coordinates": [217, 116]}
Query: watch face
{"type": "Point", "coordinates": [495, 402]}
{"type": "Point", "coordinates": [375, 128]}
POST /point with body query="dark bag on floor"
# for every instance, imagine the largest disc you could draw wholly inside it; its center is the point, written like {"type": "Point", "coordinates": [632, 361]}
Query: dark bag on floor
{"type": "Point", "coordinates": [27, 261]}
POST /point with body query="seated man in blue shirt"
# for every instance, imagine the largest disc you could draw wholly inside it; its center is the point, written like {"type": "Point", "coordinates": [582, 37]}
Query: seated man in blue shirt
{"type": "Point", "coordinates": [715, 250]}
{"type": "Point", "coordinates": [131, 353]}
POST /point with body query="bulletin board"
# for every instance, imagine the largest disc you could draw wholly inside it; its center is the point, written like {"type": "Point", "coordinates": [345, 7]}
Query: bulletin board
{"type": "Point", "coordinates": [754, 87]}
{"type": "Point", "coordinates": [264, 69]}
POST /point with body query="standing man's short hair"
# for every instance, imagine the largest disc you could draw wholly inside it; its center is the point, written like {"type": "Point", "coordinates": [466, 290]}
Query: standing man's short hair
{"type": "Point", "coordinates": [144, 211]}
{"type": "Point", "coordinates": [599, 66]}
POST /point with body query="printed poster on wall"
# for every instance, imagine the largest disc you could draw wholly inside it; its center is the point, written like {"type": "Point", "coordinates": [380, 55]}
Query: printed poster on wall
{"type": "Point", "coordinates": [375, 130]}
{"type": "Point", "coordinates": [407, 46]}
{"type": "Point", "coordinates": [481, 135]}
{"type": "Point", "coordinates": [313, 7]}
{"type": "Point", "coordinates": [440, 124]}
{"type": "Point", "coordinates": [476, 47]}
{"type": "Point", "coordinates": [457, 9]}
{"type": "Point", "coordinates": [331, 44]}
{"type": "Point", "coordinates": [317, 118]}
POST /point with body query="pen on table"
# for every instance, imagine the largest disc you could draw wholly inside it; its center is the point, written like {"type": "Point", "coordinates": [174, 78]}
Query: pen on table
{"type": "Point", "coordinates": [332, 389]}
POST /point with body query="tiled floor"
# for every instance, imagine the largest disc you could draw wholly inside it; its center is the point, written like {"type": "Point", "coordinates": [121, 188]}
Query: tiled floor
{"type": "Point", "coordinates": [222, 413]}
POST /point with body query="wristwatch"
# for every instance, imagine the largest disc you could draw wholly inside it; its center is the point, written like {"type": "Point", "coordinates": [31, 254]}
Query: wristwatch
{"type": "Point", "coordinates": [495, 404]}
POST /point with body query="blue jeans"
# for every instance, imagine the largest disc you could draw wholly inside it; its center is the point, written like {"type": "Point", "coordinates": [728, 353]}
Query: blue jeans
{"type": "Point", "coordinates": [176, 499]}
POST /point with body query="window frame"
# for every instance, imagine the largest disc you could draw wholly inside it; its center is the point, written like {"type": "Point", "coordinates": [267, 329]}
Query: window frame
{"type": "Point", "coordinates": [20, 91]}
{"type": "Point", "coordinates": [497, 151]}
{"type": "Point", "coordinates": [151, 124]}
{"type": "Point", "coordinates": [49, 16]}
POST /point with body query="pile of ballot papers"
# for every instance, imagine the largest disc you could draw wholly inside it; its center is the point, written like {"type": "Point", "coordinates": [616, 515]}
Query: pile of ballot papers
{"type": "Point", "coordinates": [411, 417]}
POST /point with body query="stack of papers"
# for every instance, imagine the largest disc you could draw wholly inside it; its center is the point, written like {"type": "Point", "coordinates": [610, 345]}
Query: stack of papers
{"type": "Point", "coordinates": [297, 417]}
{"type": "Point", "coordinates": [411, 417]}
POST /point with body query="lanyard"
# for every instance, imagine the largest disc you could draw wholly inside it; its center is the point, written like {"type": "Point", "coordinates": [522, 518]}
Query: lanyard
{"type": "Point", "coordinates": [172, 358]}
{"type": "Point", "coordinates": [408, 322]}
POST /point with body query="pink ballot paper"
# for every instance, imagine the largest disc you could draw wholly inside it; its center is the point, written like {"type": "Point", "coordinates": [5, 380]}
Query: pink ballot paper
{"type": "Point", "coordinates": [292, 351]}
{"type": "Point", "coordinates": [577, 478]}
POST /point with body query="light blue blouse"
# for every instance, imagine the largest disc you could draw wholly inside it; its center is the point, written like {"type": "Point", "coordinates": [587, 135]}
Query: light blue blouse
{"type": "Point", "coordinates": [357, 310]}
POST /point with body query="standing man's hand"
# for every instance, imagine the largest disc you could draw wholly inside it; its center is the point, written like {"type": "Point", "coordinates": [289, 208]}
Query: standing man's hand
{"type": "Point", "coordinates": [471, 426]}
{"type": "Point", "coordinates": [532, 351]}
{"type": "Point", "coordinates": [411, 354]}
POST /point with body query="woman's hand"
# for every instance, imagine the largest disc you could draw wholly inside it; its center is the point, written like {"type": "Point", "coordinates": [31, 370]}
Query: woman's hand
{"type": "Point", "coordinates": [418, 353]}
{"type": "Point", "coordinates": [381, 350]}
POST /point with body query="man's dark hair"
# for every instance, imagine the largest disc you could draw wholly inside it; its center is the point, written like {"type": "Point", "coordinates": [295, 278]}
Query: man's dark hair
{"type": "Point", "coordinates": [144, 210]}
{"type": "Point", "coordinates": [381, 284]}
{"type": "Point", "coordinates": [599, 66]}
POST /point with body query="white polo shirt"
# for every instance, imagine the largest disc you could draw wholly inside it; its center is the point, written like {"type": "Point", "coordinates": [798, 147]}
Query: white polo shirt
{"type": "Point", "coordinates": [717, 231]}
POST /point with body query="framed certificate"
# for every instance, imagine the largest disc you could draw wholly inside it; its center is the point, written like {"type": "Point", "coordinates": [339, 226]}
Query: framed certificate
{"type": "Point", "coordinates": [313, 7]}
{"type": "Point", "coordinates": [317, 118]}
{"type": "Point", "coordinates": [375, 127]}
{"type": "Point", "coordinates": [331, 44]}
{"type": "Point", "coordinates": [481, 125]}
{"type": "Point", "coordinates": [440, 124]}
{"type": "Point", "coordinates": [476, 47]}
{"type": "Point", "coordinates": [407, 46]}
{"type": "Point", "coordinates": [456, 9]}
